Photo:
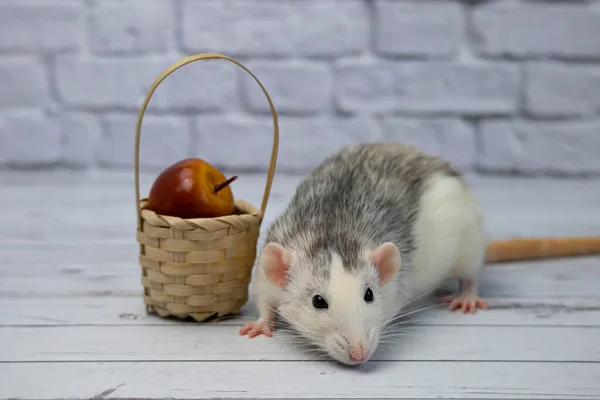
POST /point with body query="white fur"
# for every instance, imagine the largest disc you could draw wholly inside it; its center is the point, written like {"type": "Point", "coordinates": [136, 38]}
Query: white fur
{"type": "Point", "coordinates": [354, 321]}
{"type": "Point", "coordinates": [450, 235]}
{"type": "Point", "coordinates": [347, 323]}
{"type": "Point", "coordinates": [267, 296]}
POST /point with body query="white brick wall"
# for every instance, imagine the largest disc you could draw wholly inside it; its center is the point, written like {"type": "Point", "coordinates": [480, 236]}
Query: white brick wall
{"type": "Point", "coordinates": [494, 86]}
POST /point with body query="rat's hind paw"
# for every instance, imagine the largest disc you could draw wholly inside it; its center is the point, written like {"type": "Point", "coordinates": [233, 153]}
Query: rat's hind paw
{"type": "Point", "coordinates": [466, 302]}
{"type": "Point", "coordinates": [257, 328]}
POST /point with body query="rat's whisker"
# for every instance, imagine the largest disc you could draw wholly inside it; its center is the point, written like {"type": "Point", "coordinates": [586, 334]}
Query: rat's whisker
{"type": "Point", "coordinates": [411, 321]}
{"type": "Point", "coordinates": [424, 294]}
{"type": "Point", "coordinates": [407, 313]}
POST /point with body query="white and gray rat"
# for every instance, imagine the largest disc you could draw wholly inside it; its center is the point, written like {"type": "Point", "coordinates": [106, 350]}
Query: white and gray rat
{"type": "Point", "coordinates": [368, 230]}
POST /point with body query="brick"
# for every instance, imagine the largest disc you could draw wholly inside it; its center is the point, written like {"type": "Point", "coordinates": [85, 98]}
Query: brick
{"type": "Point", "coordinates": [24, 82]}
{"type": "Point", "coordinates": [568, 147]}
{"type": "Point", "coordinates": [251, 27]}
{"type": "Point", "coordinates": [164, 141]}
{"type": "Point", "coordinates": [82, 137]}
{"type": "Point", "coordinates": [416, 28]}
{"type": "Point", "coordinates": [537, 29]}
{"type": "Point", "coordinates": [427, 87]}
{"type": "Point", "coordinates": [41, 25]}
{"type": "Point", "coordinates": [275, 27]}
{"type": "Point", "coordinates": [31, 138]}
{"type": "Point", "coordinates": [449, 138]}
{"type": "Point", "coordinates": [336, 28]}
{"type": "Point", "coordinates": [559, 90]}
{"type": "Point", "coordinates": [241, 142]}
{"type": "Point", "coordinates": [132, 27]}
{"type": "Point", "coordinates": [122, 83]}
{"type": "Point", "coordinates": [310, 140]}
{"type": "Point", "coordinates": [295, 87]}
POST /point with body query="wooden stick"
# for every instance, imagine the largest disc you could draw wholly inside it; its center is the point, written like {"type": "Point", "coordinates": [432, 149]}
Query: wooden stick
{"type": "Point", "coordinates": [221, 185]}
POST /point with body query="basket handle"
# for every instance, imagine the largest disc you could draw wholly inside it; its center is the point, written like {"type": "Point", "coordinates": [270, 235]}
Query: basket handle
{"type": "Point", "coordinates": [161, 77]}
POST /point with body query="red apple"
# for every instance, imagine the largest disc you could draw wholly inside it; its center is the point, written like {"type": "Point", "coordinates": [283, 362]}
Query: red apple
{"type": "Point", "coordinates": [192, 188]}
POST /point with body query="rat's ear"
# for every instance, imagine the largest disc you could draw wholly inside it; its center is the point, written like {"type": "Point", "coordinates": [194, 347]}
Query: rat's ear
{"type": "Point", "coordinates": [386, 259]}
{"type": "Point", "coordinates": [276, 261]}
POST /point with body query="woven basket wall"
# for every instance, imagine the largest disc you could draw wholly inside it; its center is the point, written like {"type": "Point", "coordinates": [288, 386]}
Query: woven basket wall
{"type": "Point", "coordinates": [198, 268]}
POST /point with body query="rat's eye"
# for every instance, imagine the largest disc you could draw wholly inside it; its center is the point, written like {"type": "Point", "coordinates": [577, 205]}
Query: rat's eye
{"type": "Point", "coordinates": [319, 302]}
{"type": "Point", "coordinates": [369, 295]}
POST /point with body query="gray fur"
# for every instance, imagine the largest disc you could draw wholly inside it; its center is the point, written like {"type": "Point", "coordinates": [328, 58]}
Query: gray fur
{"type": "Point", "coordinates": [357, 199]}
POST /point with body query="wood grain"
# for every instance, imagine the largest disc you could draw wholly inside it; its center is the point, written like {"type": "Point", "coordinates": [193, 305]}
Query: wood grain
{"type": "Point", "coordinates": [214, 343]}
{"type": "Point", "coordinates": [320, 380]}
{"type": "Point", "coordinates": [114, 271]}
{"type": "Point", "coordinates": [64, 217]}
{"type": "Point", "coordinates": [113, 310]}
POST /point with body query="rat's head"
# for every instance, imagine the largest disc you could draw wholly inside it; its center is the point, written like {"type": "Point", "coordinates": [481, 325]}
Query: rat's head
{"type": "Point", "coordinates": [338, 307]}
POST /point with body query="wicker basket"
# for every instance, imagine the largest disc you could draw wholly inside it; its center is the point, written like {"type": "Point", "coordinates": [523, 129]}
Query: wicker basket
{"type": "Point", "coordinates": [198, 268]}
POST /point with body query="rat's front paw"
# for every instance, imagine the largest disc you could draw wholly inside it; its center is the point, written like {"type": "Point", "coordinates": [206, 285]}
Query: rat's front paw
{"type": "Point", "coordinates": [257, 328]}
{"type": "Point", "coordinates": [467, 303]}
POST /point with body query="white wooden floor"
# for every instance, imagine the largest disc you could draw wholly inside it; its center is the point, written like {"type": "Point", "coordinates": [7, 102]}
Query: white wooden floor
{"type": "Point", "coordinates": [73, 323]}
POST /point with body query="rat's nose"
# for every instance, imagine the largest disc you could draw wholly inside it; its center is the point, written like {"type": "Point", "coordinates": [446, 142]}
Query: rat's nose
{"type": "Point", "coordinates": [358, 353]}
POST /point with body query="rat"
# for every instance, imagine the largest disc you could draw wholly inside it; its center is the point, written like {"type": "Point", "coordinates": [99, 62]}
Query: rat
{"type": "Point", "coordinates": [372, 227]}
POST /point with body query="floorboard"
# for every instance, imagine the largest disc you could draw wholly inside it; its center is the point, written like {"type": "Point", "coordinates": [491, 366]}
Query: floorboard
{"type": "Point", "coordinates": [222, 343]}
{"type": "Point", "coordinates": [115, 271]}
{"type": "Point", "coordinates": [315, 380]}
{"type": "Point", "coordinates": [97, 209]}
{"type": "Point", "coordinates": [118, 310]}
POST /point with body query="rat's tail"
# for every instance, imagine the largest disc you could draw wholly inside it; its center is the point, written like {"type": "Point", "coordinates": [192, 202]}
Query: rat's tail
{"type": "Point", "coordinates": [538, 248]}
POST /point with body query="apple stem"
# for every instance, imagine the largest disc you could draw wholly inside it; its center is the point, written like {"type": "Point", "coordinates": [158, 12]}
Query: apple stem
{"type": "Point", "coordinates": [227, 182]}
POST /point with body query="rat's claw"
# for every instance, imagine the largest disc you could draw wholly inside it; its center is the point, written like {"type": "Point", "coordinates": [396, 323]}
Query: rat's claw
{"type": "Point", "coordinates": [257, 328]}
{"type": "Point", "coordinates": [467, 303]}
